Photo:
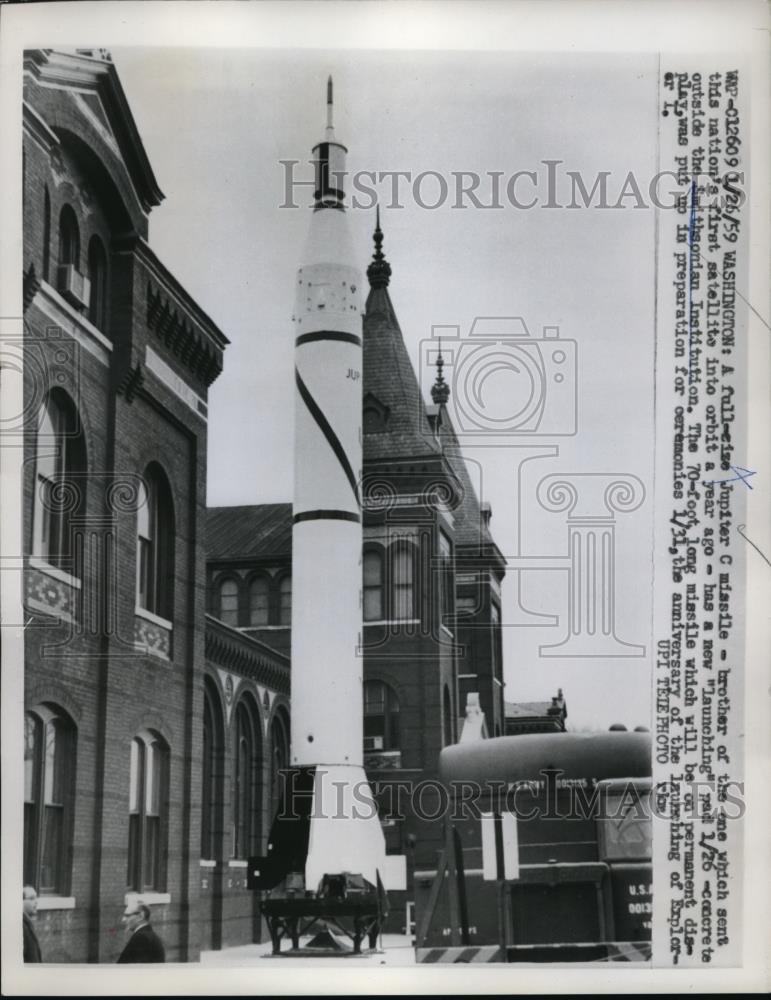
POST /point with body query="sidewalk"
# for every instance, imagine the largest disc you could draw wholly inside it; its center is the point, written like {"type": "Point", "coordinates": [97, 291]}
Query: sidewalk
{"type": "Point", "coordinates": [397, 950]}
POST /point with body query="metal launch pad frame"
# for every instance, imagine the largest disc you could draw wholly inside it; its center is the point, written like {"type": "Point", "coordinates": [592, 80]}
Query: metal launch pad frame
{"type": "Point", "coordinates": [285, 919]}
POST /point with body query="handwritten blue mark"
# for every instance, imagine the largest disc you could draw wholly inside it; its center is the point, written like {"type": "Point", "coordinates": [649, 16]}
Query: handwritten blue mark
{"type": "Point", "coordinates": [742, 476]}
{"type": "Point", "coordinates": [740, 528]}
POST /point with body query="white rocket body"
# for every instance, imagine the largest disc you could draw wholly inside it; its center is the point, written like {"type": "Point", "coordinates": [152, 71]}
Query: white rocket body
{"type": "Point", "coordinates": [327, 724]}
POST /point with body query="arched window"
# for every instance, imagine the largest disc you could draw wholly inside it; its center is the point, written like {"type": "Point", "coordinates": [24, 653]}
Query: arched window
{"type": "Point", "coordinates": [60, 482]}
{"type": "Point", "coordinates": [69, 238]}
{"type": "Point", "coordinates": [495, 646]}
{"type": "Point", "coordinates": [381, 717]}
{"type": "Point", "coordinates": [228, 602]}
{"type": "Point", "coordinates": [46, 235]}
{"type": "Point", "coordinates": [285, 601]}
{"type": "Point", "coordinates": [259, 606]}
{"type": "Point", "coordinates": [155, 545]}
{"type": "Point", "coordinates": [211, 783]}
{"type": "Point", "coordinates": [97, 276]}
{"type": "Point", "coordinates": [373, 586]}
{"type": "Point", "coordinates": [446, 581]}
{"type": "Point", "coordinates": [279, 756]}
{"type": "Point", "coordinates": [402, 590]}
{"type": "Point", "coordinates": [49, 782]}
{"type": "Point", "coordinates": [148, 794]}
{"type": "Point", "coordinates": [447, 720]}
{"type": "Point", "coordinates": [246, 785]}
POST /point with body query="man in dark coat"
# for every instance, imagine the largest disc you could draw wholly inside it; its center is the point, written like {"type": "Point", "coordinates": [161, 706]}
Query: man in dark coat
{"type": "Point", "coordinates": [143, 944]}
{"type": "Point", "coordinates": [31, 944]}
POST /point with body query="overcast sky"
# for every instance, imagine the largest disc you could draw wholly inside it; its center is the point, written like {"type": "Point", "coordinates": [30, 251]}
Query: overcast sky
{"type": "Point", "coordinates": [217, 123]}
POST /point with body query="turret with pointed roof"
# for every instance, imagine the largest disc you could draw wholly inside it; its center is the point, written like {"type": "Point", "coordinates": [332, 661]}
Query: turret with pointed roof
{"type": "Point", "coordinates": [399, 424]}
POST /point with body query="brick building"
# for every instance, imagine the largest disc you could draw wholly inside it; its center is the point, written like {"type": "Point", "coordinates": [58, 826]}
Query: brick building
{"type": "Point", "coordinates": [157, 673]}
{"type": "Point", "coordinates": [126, 704]}
{"type": "Point", "coordinates": [535, 716]}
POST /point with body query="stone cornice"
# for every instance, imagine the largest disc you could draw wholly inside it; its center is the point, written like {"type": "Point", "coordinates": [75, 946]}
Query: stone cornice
{"type": "Point", "coordinates": [174, 317]}
{"type": "Point", "coordinates": [71, 70]}
{"type": "Point", "coordinates": [228, 648]}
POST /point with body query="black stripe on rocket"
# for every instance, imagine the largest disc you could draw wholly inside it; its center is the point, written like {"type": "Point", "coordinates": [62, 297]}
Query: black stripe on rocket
{"type": "Point", "coordinates": [332, 438]}
{"type": "Point", "coordinates": [326, 514]}
{"type": "Point", "coordinates": [312, 338]}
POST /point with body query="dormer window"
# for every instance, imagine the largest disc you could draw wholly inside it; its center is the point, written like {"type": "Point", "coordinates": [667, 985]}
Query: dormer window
{"type": "Point", "coordinates": [375, 414]}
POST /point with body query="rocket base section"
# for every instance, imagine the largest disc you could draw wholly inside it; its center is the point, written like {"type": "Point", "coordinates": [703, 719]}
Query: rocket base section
{"type": "Point", "coordinates": [326, 866]}
{"type": "Point", "coordinates": [345, 833]}
{"type": "Point", "coordinates": [289, 835]}
{"type": "Point", "coordinates": [327, 826]}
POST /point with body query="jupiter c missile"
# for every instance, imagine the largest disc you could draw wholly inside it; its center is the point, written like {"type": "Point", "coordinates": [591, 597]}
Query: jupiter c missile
{"type": "Point", "coordinates": [342, 830]}
{"type": "Point", "coordinates": [327, 725]}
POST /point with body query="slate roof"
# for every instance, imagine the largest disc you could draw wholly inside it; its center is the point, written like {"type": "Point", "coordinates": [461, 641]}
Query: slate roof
{"type": "Point", "coordinates": [256, 531]}
{"type": "Point", "coordinates": [470, 527]}
{"type": "Point", "coordinates": [390, 378]}
{"type": "Point", "coordinates": [525, 709]}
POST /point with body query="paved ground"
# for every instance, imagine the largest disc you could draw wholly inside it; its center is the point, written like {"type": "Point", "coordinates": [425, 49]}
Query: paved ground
{"type": "Point", "coordinates": [397, 950]}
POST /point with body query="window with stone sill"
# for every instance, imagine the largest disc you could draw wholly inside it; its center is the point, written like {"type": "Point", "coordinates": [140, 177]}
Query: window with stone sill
{"type": "Point", "coordinates": [446, 581]}
{"type": "Point", "coordinates": [69, 238]}
{"type": "Point", "coordinates": [259, 602]}
{"type": "Point", "coordinates": [148, 809]}
{"type": "Point", "coordinates": [60, 484]}
{"type": "Point", "coordinates": [211, 779]}
{"type": "Point", "coordinates": [373, 585]}
{"type": "Point", "coordinates": [155, 545]}
{"type": "Point", "coordinates": [279, 756]}
{"type": "Point", "coordinates": [246, 779]}
{"type": "Point", "coordinates": [402, 593]}
{"type": "Point", "coordinates": [228, 600]}
{"type": "Point", "coordinates": [49, 779]}
{"type": "Point", "coordinates": [285, 601]}
{"type": "Point", "coordinates": [381, 717]}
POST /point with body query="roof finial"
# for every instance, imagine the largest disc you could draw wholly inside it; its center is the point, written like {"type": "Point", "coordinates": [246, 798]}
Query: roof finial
{"type": "Point", "coordinates": [379, 271]}
{"type": "Point", "coordinates": [440, 391]}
